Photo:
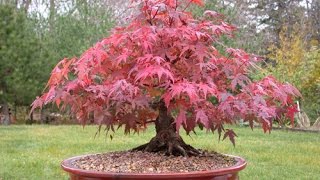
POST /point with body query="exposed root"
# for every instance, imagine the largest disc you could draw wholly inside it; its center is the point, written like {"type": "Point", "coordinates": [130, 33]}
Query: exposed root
{"type": "Point", "coordinates": [167, 140]}
{"type": "Point", "coordinates": [140, 148]}
{"type": "Point", "coordinates": [169, 143]}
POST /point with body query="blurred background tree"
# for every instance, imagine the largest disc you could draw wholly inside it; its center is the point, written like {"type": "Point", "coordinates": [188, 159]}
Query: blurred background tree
{"type": "Point", "coordinates": [36, 34]}
{"type": "Point", "coordinates": [295, 60]}
{"type": "Point", "coordinates": [286, 34]}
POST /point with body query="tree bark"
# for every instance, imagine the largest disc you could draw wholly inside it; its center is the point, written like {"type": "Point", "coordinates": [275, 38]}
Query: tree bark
{"type": "Point", "coordinates": [30, 117]}
{"type": "Point", "coordinates": [82, 6]}
{"type": "Point", "coordinates": [26, 5]}
{"type": "Point", "coordinates": [5, 119]}
{"type": "Point", "coordinates": [52, 13]}
{"type": "Point", "coordinates": [167, 139]}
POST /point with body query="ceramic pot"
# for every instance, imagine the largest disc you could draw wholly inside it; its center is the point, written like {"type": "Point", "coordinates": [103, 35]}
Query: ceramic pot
{"type": "Point", "coordinates": [229, 173]}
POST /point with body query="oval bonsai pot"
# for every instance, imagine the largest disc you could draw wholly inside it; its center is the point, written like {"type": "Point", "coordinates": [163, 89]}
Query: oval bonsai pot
{"type": "Point", "coordinates": [229, 173]}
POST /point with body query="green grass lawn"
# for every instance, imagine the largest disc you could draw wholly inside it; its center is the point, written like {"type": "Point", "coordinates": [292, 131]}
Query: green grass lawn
{"type": "Point", "coordinates": [35, 152]}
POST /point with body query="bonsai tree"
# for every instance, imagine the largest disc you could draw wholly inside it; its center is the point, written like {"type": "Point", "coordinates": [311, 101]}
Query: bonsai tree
{"type": "Point", "coordinates": [165, 65]}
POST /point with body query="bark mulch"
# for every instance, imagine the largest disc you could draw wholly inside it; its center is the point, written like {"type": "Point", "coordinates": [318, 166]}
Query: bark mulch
{"type": "Point", "coordinates": [145, 162]}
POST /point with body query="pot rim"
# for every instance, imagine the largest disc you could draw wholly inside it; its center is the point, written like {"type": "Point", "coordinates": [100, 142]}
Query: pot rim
{"type": "Point", "coordinates": [68, 167]}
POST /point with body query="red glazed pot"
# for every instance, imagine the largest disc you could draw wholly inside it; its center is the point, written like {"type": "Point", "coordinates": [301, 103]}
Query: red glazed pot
{"type": "Point", "coordinates": [230, 173]}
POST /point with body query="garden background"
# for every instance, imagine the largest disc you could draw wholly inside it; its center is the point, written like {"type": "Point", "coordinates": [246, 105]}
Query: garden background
{"type": "Point", "coordinates": [36, 34]}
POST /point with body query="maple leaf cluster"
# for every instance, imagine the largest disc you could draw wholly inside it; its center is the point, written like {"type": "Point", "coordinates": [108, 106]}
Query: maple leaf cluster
{"type": "Point", "coordinates": [164, 53]}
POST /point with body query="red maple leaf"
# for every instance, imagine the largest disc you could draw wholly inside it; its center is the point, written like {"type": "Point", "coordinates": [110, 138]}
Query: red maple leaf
{"type": "Point", "coordinates": [231, 134]}
{"type": "Point", "coordinates": [198, 2]}
{"type": "Point", "coordinates": [291, 110]}
{"type": "Point", "coordinates": [166, 54]}
{"type": "Point", "coordinates": [181, 118]}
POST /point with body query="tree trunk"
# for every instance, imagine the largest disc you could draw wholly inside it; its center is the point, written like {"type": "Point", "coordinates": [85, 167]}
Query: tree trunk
{"type": "Point", "coordinates": [52, 13]}
{"type": "Point", "coordinates": [82, 6]}
{"type": "Point", "coordinates": [14, 116]}
{"type": "Point", "coordinates": [30, 116]}
{"type": "Point", "coordinates": [5, 119]}
{"type": "Point", "coordinates": [167, 139]}
{"type": "Point", "coordinates": [26, 5]}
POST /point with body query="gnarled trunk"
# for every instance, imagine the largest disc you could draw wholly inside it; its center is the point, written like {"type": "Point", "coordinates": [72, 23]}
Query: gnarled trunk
{"type": "Point", "coordinates": [167, 139]}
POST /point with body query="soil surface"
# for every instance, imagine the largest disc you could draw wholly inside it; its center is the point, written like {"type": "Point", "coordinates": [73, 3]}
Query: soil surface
{"type": "Point", "coordinates": [145, 162]}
